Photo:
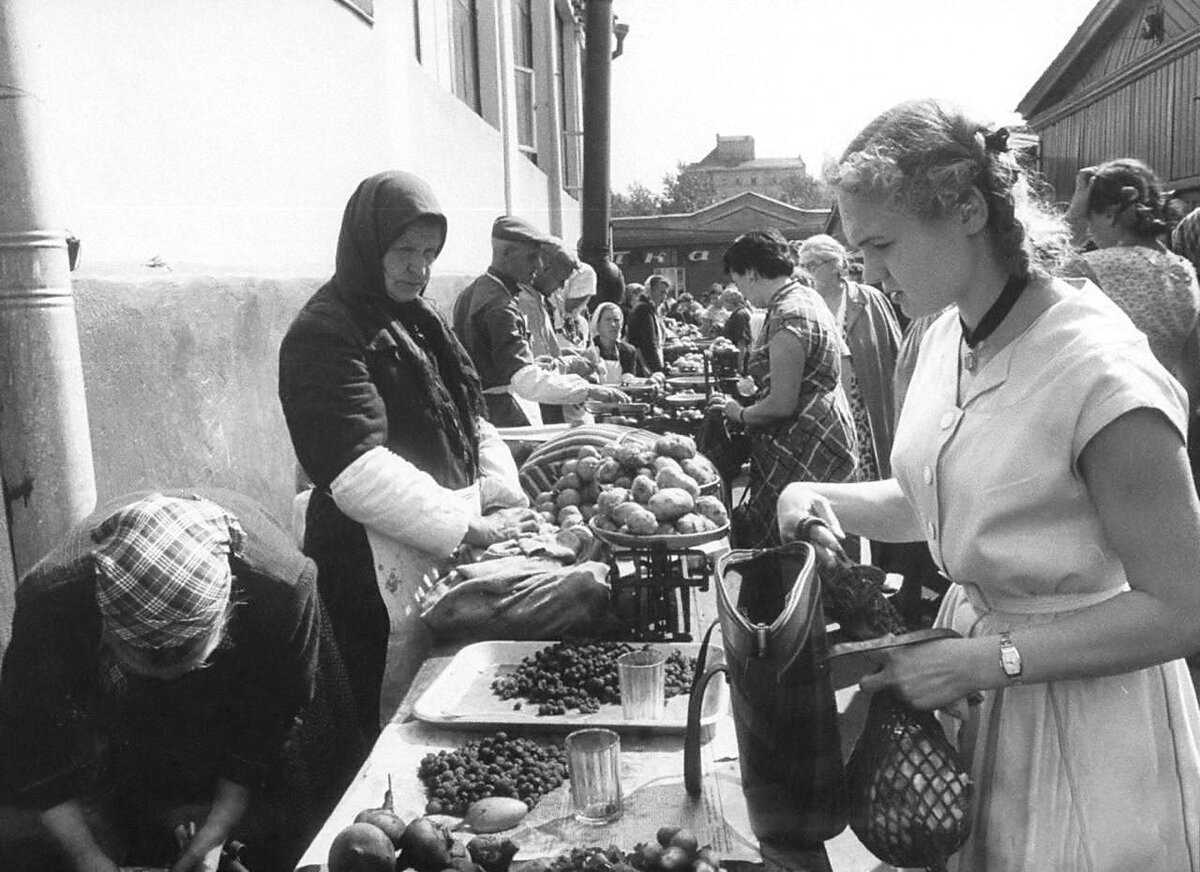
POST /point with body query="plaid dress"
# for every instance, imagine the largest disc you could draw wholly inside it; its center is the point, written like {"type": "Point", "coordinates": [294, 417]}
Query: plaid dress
{"type": "Point", "coordinates": [818, 442]}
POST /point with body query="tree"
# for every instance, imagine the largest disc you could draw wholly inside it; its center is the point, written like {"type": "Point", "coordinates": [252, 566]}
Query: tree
{"type": "Point", "coordinates": [686, 192]}
{"type": "Point", "coordinates": [805, 192]}
{"type": "Point", "coordinates": [637, 200]}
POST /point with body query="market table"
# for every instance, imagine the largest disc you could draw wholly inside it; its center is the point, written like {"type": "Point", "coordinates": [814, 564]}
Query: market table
{"type": "Point", "coordinates": [651, 777]}
{"type": "Point", "coordinates": [651, 774]}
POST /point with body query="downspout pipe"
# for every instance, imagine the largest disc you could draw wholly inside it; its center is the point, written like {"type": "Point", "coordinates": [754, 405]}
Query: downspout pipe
{"type": "Point", "coordinates": [595, 248]}
{"type": "Point", "coordinates": [49, 481]}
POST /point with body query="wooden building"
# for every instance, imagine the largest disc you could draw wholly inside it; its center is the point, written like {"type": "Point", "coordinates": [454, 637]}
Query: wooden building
{"type": "Point", "coordinates": [688, 248]}
{"type": "Point", "coordinates": [1127, 84]}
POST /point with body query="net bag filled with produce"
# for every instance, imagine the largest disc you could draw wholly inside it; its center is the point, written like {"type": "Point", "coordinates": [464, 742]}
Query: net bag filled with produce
{"type": "Point", "coordinates": [910, 795]}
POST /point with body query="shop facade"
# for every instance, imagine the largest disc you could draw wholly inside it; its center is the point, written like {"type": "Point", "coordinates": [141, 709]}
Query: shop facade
{"type": "Point", "coordinates": [689, 249]}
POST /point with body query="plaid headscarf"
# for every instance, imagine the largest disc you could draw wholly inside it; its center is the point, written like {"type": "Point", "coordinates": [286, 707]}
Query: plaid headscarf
{"type": "Point", "coordinates": [162, 570]}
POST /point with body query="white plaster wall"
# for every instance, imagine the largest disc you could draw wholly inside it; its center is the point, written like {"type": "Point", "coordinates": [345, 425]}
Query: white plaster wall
{"type": "Point", "coordinates": [227, 134]}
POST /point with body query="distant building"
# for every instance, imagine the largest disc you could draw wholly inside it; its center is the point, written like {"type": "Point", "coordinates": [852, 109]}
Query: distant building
{"type": "Point", "coordinates": [688, 249]}
{"type": "Point", "coordinates": [732, 168]}
{"type": "Point", "coordinates": [1127, 84]}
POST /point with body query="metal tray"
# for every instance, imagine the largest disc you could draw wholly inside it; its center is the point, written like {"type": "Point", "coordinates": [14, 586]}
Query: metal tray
{"type": "Point", "coordinates": [462, 695]}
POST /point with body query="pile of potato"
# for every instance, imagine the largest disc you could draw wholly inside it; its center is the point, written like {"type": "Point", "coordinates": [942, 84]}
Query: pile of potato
{"type": "Point", "coordinates": [636, 489]}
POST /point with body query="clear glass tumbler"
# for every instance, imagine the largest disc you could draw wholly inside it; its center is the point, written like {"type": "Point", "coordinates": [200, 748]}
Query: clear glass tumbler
{"type": "Point", "coordinates": [593, 765]}
{"type": "Point", "coordinates": [643, 682]}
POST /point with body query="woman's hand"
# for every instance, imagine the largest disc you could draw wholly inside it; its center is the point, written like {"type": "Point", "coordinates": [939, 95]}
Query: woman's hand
{"type": "Point", "coordinates": [926, 675]}
{"type": "Point", "coordinates": [196, 860]}
{"type": "Point", "coordinates": [607, 394]}
{"type": "Point", "coordinates": [1076, 215]}
{"type": "Point", "coordinates": [797, 503]}
{"type": "Point", "coordinates": [500, 526]}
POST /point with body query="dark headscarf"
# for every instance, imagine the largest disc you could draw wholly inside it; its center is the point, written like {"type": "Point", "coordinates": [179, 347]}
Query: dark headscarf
{"type": "Point", "coordinates": [378, 212]}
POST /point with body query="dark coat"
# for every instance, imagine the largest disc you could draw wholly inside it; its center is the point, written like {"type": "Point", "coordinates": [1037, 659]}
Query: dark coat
{"type": "Point", "coordinates": [645, 333]}
{"type": "Point", "coordinates": [68, 726]}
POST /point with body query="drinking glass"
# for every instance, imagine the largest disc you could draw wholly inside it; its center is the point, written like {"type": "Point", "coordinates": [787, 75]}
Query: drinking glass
{"type": "Point", "coordinates": [593, 765]}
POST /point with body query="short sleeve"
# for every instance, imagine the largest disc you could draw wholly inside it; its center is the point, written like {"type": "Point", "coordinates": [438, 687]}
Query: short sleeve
{"type": "Point", "coordinates": [1127, 378]}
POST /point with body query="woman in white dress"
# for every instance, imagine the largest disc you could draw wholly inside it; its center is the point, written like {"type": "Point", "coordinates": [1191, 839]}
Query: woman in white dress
{"type": "Point", "coordinates": [1040, 452]}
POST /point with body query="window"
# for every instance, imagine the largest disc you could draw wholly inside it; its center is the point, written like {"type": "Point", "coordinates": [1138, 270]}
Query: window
{"type": "Point", "coordinates": [446, 43]}
{"type": "Point", "coordinates": [522, 24]}
{"type": "Point", "coordinates": [465, 50]}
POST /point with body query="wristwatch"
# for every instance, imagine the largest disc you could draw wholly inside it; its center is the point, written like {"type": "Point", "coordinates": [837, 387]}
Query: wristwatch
{"type": "Point", "coordinates": [1010, 659]}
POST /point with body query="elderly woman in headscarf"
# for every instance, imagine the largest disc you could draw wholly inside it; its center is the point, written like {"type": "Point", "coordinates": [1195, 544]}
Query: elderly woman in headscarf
{"type": "Point", "coordinates": [617, 358]}
{"type": "Point", "coordinates": [385, 413]}
{"type": "Point", "coordinates": [160, 657]}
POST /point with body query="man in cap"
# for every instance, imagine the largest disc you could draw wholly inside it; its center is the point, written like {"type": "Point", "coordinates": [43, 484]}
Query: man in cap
{"type": "Point", "coordinates": [537, 303]}
{"type": "Point", "coordinates": [490, 324]}
{"type": "Point", "coordinates": [160, 657]}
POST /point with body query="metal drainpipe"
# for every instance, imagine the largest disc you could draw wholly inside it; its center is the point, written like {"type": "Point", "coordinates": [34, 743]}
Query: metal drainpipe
{"type": "Point", "coordinates": [595, 248]}
{"type": "Point", "coordinates": [45, 445]}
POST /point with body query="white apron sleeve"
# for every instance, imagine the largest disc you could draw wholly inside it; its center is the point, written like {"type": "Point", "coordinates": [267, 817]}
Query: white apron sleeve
{"type": "Point", "coordinates": [499, 485]}
{"type": "Point", "coordinates": [543, 386]}
{"type": "Point", "coordinates": [385, 492]}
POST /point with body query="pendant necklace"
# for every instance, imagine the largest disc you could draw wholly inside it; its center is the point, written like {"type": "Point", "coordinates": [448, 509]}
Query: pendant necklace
{"type": "Point", "coordinates": [991, 319]}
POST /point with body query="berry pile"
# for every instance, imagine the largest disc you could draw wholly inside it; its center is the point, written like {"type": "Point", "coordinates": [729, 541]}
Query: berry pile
{"type": "Point", "coordinates": [581, 675]}
{"type": "Point", "coordinates": [493, 766]}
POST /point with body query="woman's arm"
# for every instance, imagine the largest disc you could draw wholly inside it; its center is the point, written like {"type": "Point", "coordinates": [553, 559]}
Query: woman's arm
{"type": "Point", "coordinates": [787, 356]}
{"type": "Point", "coordinates": [877, 510]}
{"type": "Point", "coordinates": [69, 827]}
{"type": "Point", "coordinates": [1076, 215]}
{"type": "Point", "coordinates": [1137, 474]}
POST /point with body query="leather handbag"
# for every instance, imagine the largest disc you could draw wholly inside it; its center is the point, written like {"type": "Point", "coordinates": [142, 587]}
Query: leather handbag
{"type": "Point", "coordinates": [784, 710]}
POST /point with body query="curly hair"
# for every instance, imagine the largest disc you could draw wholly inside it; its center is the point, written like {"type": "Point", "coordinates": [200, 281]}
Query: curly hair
{"type": "Point", "coordinates": [766, 251]}
{"type": "Point", "coordinates": [926, 157]}
{"type": "Point", "coordinates": [1134, 189]}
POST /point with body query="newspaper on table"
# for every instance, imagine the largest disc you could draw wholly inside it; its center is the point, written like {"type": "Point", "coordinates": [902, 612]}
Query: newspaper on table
{"type": "Point", "coordinates": [651, 782]}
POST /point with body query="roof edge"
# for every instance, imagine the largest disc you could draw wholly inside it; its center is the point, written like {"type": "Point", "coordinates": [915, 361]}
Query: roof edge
{"type": "Point", "coordinates": [1070, 53]}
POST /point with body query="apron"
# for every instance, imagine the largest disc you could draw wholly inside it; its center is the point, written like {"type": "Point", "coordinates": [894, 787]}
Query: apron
{"type": "Point", "coordinates": [404, 574]}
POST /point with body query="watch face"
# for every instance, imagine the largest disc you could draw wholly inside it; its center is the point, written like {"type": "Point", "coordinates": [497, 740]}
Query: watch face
{"type": "Point", "coordinates": [1010, 659]}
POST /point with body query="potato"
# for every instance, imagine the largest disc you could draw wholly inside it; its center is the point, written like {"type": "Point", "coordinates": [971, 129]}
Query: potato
{"type": "Point", "coordinates": [621, 513]}
{"type": "Point", "coordinates": [569, 481]}
{"type": "Point", "coordinates": [544, 497]}
{"type": "Point", "coordinates": [610, 498]}
{"type": "Point", "coordinates": [671, 478]}
{"type": "Point", "coordinates": [608, 471]}
{"type": "Point", "coordinates": [568, 497]}
{"type": "Point", "coordinates": [689, 523]}
{"type": "Point", "coordinates": [642, 488]}
{"type": "Point", "coordinates": [699, 468]}
{"type": "Point", "coordinates": [665, 528]}
{"type": "Point", "coordinates": [586, 468]}
{"type": "Point", "coordinates": [671, 503]}
{"type": "Point", "coordinates": [675, 445]}
{"type": "Point", "coordinates": [569, 515]}
{"type": "Point", "coordinates": [641, 521]}
{"type": "Point", "coordinates": [623, 481]}
{"type": "Point", "coordinates": [587, 451]}
{"type": "Point", "coordinates": [603, 522]}
{"type": "Point", "coordinates": [712, 508]}
{"type": "Point", "coordinates": [663, 462]}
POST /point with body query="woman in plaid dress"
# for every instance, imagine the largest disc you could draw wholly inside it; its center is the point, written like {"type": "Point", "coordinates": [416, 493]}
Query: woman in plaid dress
{"type": "Point", "coordinates": [800, 424]}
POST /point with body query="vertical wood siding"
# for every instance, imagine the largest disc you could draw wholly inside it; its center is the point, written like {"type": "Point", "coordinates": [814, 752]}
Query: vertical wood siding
{"type": "Point", "coordinates": [1154, 118]}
